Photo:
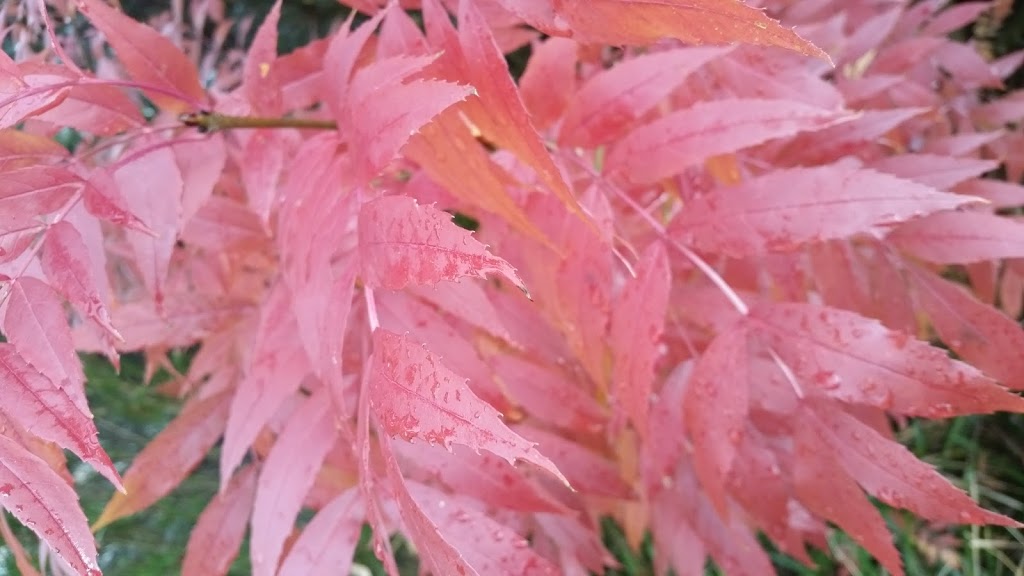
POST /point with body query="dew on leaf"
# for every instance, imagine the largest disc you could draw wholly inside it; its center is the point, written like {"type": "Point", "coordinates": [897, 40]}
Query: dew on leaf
{"type": "Point", "coordinates": [828, 380]}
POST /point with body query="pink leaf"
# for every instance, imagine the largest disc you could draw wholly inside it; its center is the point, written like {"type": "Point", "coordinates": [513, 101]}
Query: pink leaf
{"type": "Point", "coordinates": [103, 200]}
{"type": "Point", "coordinates": [326, 545]}
{"type": "Point", "coordinates": [785, 209]}
{"type": "Point", "coordinates": [637, 323]}
{"type": "Point", "coordinates": [67, 265]}
{"type": "Point", "coordinates": [201, 163]}
{"type": "Point", "coordinates": [890, 472]}
{"type": "Point", "coordinates": [415, 395]}
{"type": "Point", "coordinates": [44, 502]}
{"type": "Point", "coordinates": [219, 530]}
{"type": "Point", "coordinates": [824, 487]}
{"type": "Point", "coordinates": [588, 471]}
{"type": "Point", "coordinates": [148, 56]}
{"type": "Point", "coordinates": [686, 137]}
{"type": "Point", "coordinates": [549, 393]}
{"type": "Point", "coordinates": [611, 101]}
{"type": "Point", "coordinates": [381, 119]}
{"type": "Point", "coordinates": [546, 99]}
{"type": "Point", "coordinates": [30, 194]}
{"type": "Point", "coordinates": [37, 326]}
{"type": "Point", "coordinates": [157, 201]}
{"type": "Point", "coordinates": [937, 171]}
{"type": "Point", "coordinates": [262, 89]}
{"type": "Point", "coordinates": [960, 238]}
{"type": "Point", "coordinates": [276, 368]}
{"type": "Point", "coordinates": [690, 21]}
{"type": "Point", "coordinates": [716, 410]}
{"type": "Point", "coordinates": [497, 111]}
{"type": "Point", "coordinates": [287, 476]}
{"type": "Point", "coordinates": [485, 545]}
{"type": "Point", "coordinates": [856, 359]}
{"type": "Point", "coordinates": [483, 476]}
{"type": "Point", "coordinates": [403, 242]}
{"type": "Point", "coordinates": [169, 458]}
{"type": "Point", "coordinates": [978, 333]}
{"type": "Point", "coordinates": [44, 409]}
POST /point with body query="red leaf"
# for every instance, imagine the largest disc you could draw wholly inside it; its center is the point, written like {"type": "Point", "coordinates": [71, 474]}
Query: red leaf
{"type": "Point", "coordinates": [856, 359]}
{"type": "Point", "coordinates": [44, 502]}
{"type": "Point", "coordinates": [979, 334]}
{"type": "Point", "coordinates": [148, 57]}
{"type": "Point", "coordinates": [890, 472]}
{"type": "Point", "coordinates": [960, 237]}
{"type": "Point", "coordinates": [169, 458]}
{"type": "Point", "coordinates": [785, 209]}
{"type": "Point", "coordinates": [686, 137]}
{"type": "Point", "coordinates": [287, 476]}
{"type": "Point", "coordinates": [716, 410]}
{"type": "Point", "coordinates": [690, 21]}
{"type": "Point", "coordinates": [827, 490]}
{"type": "Point", "coordinates": [415, 395]}
{"type": "Point", "coordinates": [403, 242]}
{"type": "Point", "coordinates": [261, 85]}
{"type": "Point", "coordinates": [66, 263]}
{"type": "Point", "coordinates": [37, 326]}
{"type": "Point", "coordinates": [637, 323]}
{"type": "Point", "coordinates": [611, 101]}
{"type": "Point", "coordinates": [218, 532]}
{"type": "Point", "coordinates": [326, 545]}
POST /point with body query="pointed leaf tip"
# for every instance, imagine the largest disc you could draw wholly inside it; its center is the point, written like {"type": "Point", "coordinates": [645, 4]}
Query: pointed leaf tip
{"type": "Point", "coordinates": [403, 242]}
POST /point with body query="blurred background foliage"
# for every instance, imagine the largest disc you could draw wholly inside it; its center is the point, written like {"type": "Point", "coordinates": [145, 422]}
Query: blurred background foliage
{"type": "Point", "coordinates": [982, 454]}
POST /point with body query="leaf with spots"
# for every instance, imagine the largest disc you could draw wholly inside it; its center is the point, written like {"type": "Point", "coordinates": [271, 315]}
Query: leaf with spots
{"type": "Point", "coordinates": [858, 360]}
{"type": "Point", "coordinates": [786, 209]}
{"type": "Point", "coordinates": [403, 242]}
{"type": "Point", "coordinates": [415, 396]}
{"type": "Point", "coordinates": [43, 501]}
{"type": "Point", "coordinates": [46, 410]}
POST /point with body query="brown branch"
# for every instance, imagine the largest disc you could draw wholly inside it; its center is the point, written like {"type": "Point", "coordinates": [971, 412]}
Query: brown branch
{"type": "Point", "coordinates": [211, 122]}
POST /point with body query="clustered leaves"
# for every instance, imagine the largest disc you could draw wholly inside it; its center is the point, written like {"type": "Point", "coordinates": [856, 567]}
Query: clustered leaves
{"type": "Point", "coordinates": [713, 260]}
